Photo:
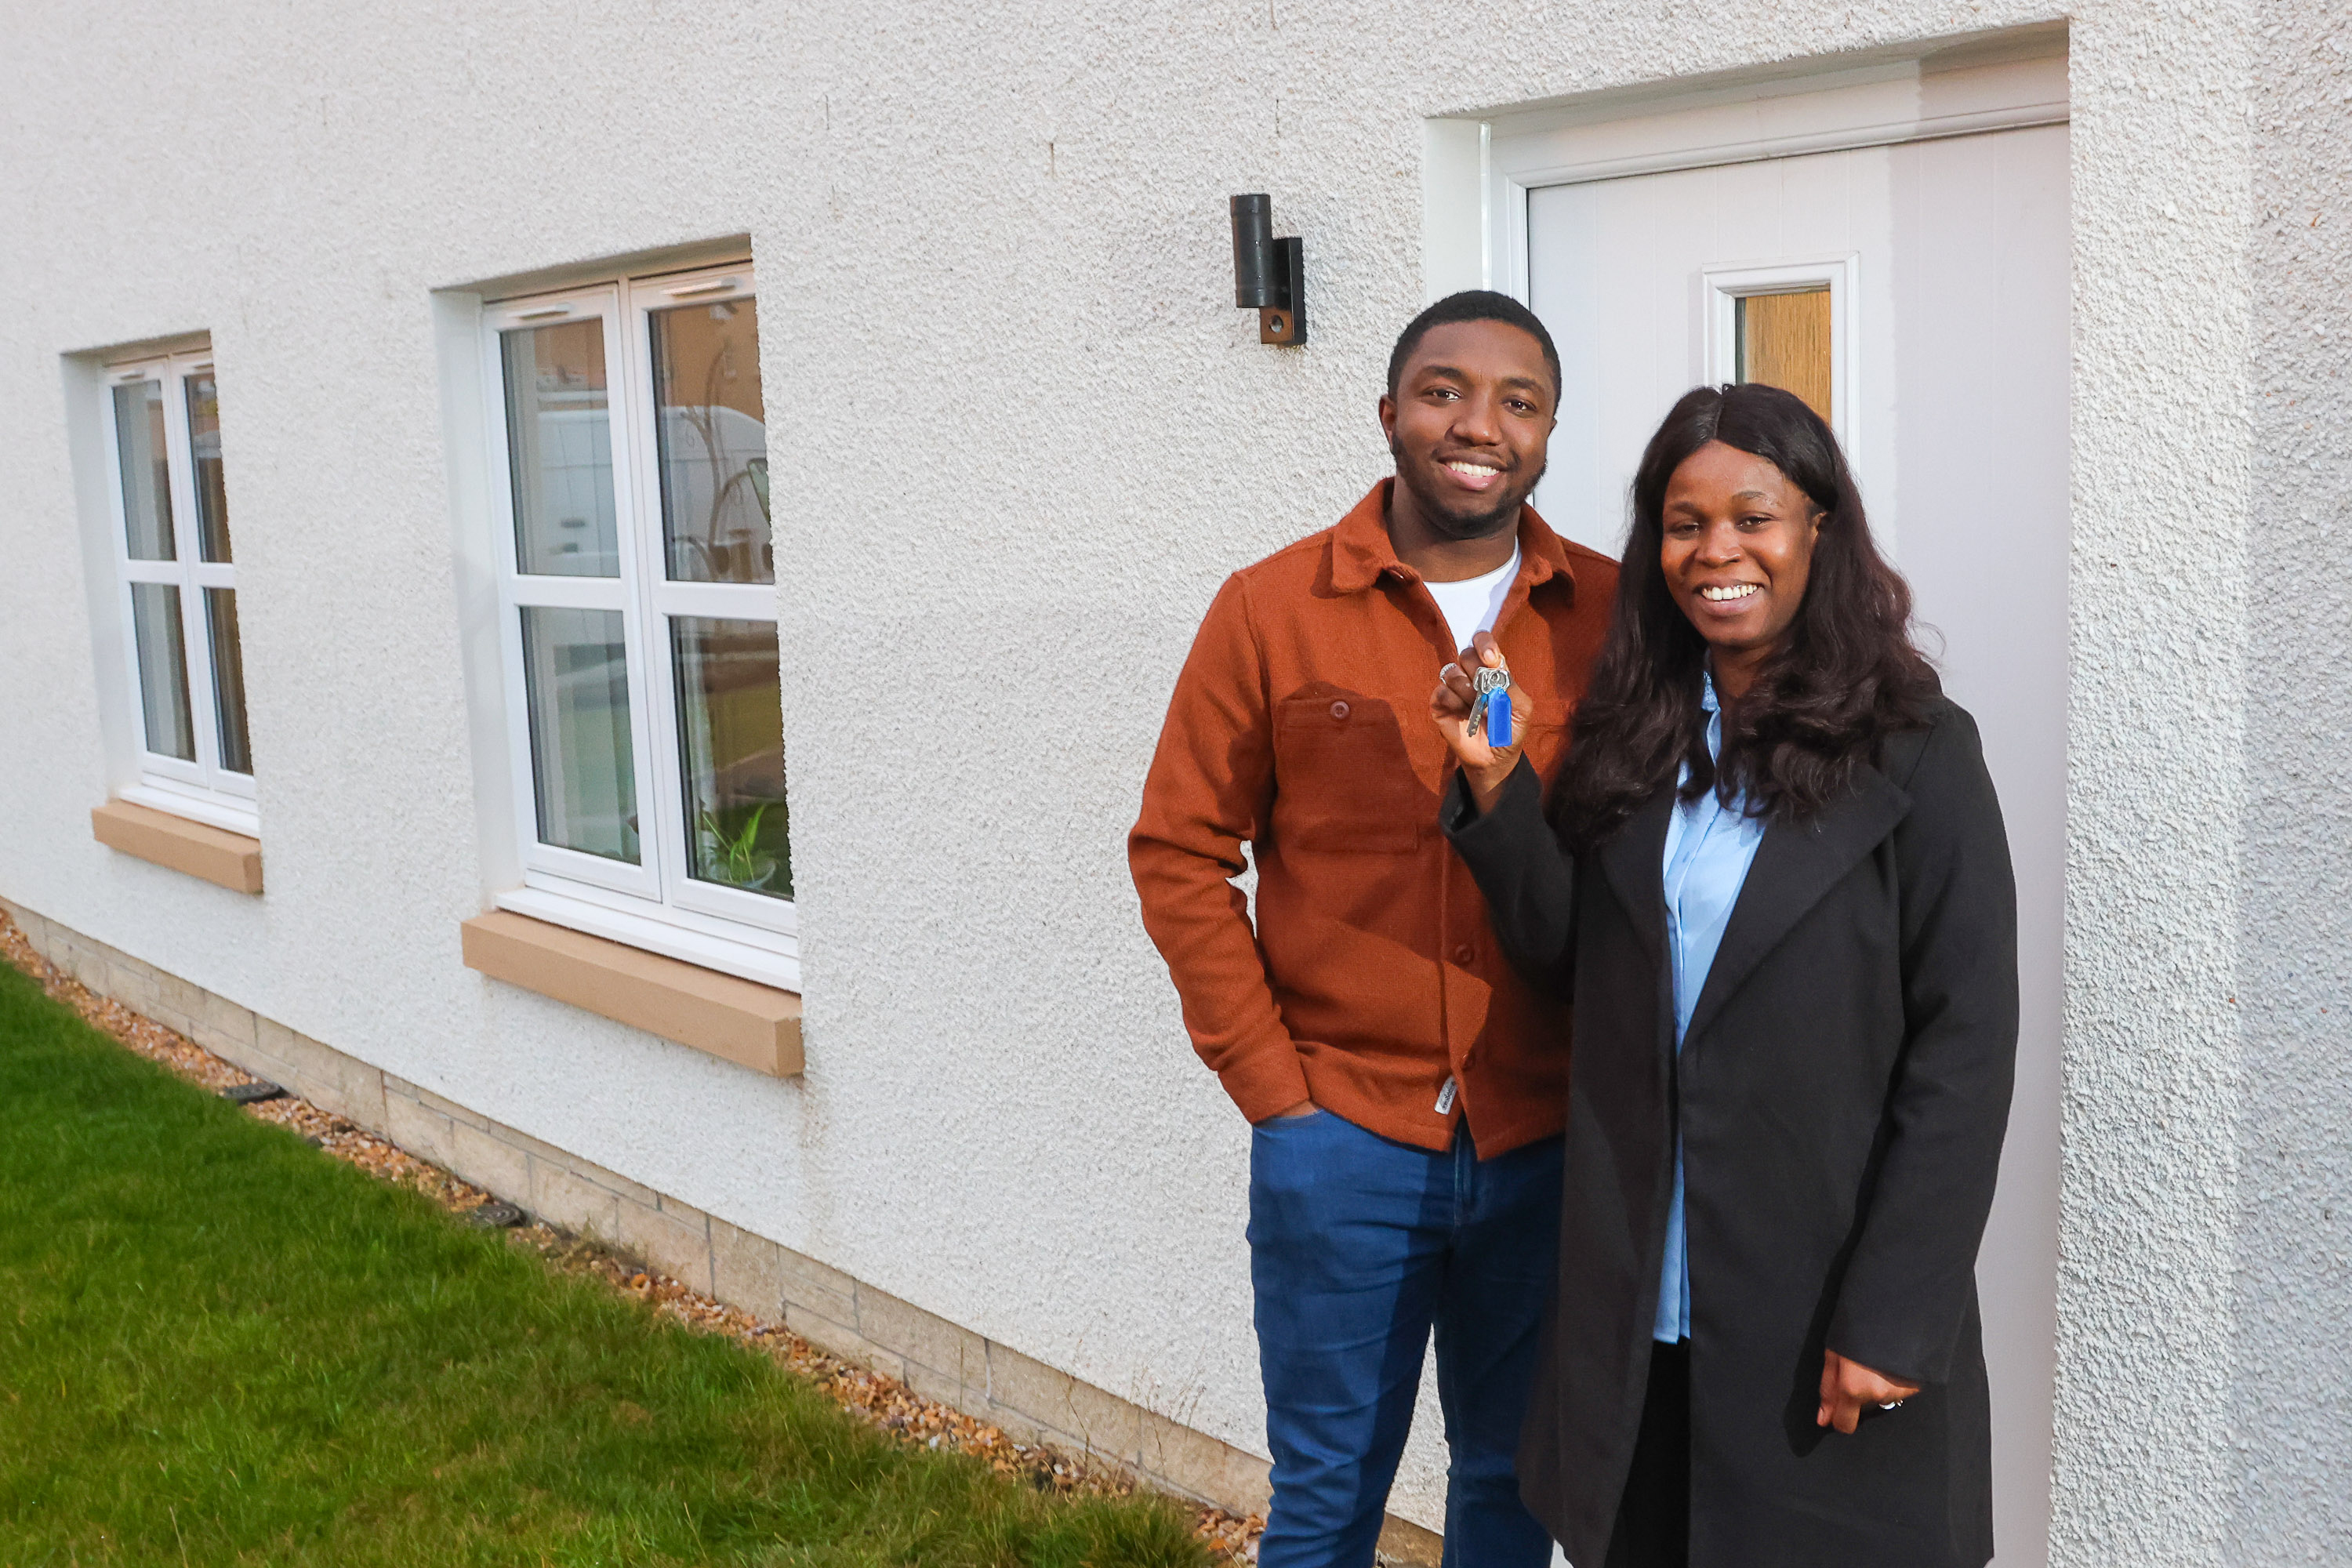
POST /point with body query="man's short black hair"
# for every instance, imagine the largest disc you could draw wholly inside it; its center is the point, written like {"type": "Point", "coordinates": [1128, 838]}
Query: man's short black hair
{"type": "Point", "coordinates": [1472, 305]}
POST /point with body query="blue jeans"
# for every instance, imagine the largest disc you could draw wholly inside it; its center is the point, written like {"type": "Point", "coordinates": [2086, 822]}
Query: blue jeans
{"type": "Point", "coordinates": [1359, 1247]}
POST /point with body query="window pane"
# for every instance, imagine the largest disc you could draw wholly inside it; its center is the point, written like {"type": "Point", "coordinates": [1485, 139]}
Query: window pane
{"type": "Point", "coordinates": [162, 670]}
{"type": "Point", "coordinates": [576, 681]}
{"type": "Point", "coordinates": [203, 437]}
{"type": "Point", "coordinates": [146, 482]}
{"type": "Point", "coordinates": [228, 679]}
{"type": "Point", "coordinates": [560, 441]}
{"type": "Point", "coordinates": [712, 427]}
{"type": "Point", "coordinates": [1784, 341]}
{"type": "Point", "coordinates": [730, 746]}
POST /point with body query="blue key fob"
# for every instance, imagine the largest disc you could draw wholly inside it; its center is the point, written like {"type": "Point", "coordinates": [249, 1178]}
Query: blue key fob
{"type": "Point", "coordinates": [1498, 718]}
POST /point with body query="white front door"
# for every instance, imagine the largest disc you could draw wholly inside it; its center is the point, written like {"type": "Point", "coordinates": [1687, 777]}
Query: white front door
{"type": "Point", "coordinates": [1937, 271]}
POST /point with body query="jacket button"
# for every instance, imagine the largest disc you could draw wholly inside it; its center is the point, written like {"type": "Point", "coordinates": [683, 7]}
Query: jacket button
{"type": "Point", "coordinates": [1338, 710]}
{"type": "Point", "coordinates": [1465, 954]}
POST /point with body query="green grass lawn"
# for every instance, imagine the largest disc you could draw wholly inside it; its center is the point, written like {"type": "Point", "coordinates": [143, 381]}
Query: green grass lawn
{"type": "Point", "coordinates": [219, 1346]}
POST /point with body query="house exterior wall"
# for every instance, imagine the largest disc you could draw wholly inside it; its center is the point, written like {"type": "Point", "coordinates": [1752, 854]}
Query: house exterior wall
{"type": "Point", "coordinates": [1019, 433]}
{"type": "Point", "coordinates": [2292, 1295]}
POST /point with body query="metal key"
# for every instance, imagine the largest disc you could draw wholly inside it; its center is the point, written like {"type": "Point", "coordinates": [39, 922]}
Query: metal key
{"type": "Point", "coordinates": [1492, 709]}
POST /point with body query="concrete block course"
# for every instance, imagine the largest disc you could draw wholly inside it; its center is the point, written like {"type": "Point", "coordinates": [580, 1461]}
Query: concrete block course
{"type": "Point", "coordinates": [451, 1109]}
{"type": "Point", "coordinates": [227, 1020]}
{"type": "Point", "coordinates": [671, 1244]}
{"type": "Point", "coordinates": [575, 1202]}
{"type": "Point", "coordinates": [938, 1387]}
{"type": "Point", "coordinates": [1191, 1460]}
{"type": "Point", "coordinates": [320, 1074]}
{"type": "Point", "coordinates": [824, 1288]}
{"type": "Point", "coordinates": [424, 1133]}
{"type": "Point", "coordinates": [747, 1270]}
{"type": "Point", "coordinates": [843, 1341]}
{"type": "Point", "coordinates": [1097, 1421]}
{"type": "Point", "coordinates": [934, 1342]}
{"type": "Point", "coordinates": [488, 1162]}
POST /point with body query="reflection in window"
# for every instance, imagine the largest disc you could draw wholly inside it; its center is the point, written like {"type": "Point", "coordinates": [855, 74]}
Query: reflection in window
{"type": "Point", "coordinates": [712, 425]}
{"type": "Point", "coordinates": [205, 446]}
{"type": "Point", "coordinates": [228, 679]}
{"type": "Point", "coordinates": [576, 683]}
{"type": "Point", "coordinates": [162, 670]}
{"type": "Point", "coordinates": [560, 444]}
{"type": "Point", "coordinates": [146, 480]}
{"type": "Point", "coordinates": [1784, 341]}
{"type": "Point", "coordinates": [732, 753]}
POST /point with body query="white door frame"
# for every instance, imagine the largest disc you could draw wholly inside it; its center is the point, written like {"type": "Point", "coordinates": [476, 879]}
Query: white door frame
{"type": "Point", "coordinates": [1476, 172]}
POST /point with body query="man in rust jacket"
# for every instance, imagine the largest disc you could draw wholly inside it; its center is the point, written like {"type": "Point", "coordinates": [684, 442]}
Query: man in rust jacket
{"type": "Point", "coordinates": [1406, 1086]}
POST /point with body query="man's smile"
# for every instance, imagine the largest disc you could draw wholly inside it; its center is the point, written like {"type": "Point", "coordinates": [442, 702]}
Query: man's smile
{"type": "Point", "coordinates": [1478, 473]}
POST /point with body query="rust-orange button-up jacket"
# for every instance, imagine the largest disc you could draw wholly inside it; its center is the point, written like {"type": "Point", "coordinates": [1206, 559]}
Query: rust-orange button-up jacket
{"type": "Point", "coordinates": [1300, 726]}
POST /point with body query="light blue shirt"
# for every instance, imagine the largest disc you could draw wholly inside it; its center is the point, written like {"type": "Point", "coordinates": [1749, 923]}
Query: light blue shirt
{"type": "Point", "coordinates": [1709, 847]}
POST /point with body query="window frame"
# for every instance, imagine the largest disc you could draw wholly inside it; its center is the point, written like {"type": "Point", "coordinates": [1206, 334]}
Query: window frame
{"type": "Point", "coordinates": [657, 903]}
{"type": "Point", "coordinates": [203, 790]}
{"type": "Point", "coordinates": [1841, 276]}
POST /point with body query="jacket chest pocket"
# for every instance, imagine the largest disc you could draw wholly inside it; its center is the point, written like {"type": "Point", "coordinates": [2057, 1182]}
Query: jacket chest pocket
{"type": "Point", "coordinates": [1344, 780]}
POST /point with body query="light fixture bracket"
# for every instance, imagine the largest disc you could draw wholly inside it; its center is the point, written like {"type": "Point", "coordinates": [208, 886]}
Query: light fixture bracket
{"type": "Point", "coordinates": [1269, 274]}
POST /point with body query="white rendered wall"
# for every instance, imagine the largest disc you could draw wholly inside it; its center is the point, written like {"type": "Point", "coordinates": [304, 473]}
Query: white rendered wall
{"type": "Point", "coordinates": [1019, 433]}
{"type": "Point", "coordinates": [2289, 1408]}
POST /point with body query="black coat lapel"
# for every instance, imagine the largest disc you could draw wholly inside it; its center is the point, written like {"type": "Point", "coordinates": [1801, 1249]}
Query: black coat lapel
{"type": "Point", "coordinates": [1795, 864]}
{"type": "Point", "coordinates": [1633, 860]}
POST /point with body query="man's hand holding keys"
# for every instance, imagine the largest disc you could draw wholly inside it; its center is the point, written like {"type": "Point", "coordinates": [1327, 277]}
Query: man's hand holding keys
{"type": "Point", "coordinates": [1451, 706]}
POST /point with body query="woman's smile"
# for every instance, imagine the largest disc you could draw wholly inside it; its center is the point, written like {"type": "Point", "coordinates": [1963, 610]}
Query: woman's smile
{"type": "Point", "coordinates": [1731, 598]}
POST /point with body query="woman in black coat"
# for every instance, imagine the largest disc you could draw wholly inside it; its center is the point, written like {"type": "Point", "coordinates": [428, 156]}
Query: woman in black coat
{"type": "Point", "coordinates": [1775, 885]}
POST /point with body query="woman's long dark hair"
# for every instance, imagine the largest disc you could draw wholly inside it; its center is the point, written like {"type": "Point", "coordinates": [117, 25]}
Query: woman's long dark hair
{"type": "Point", "coordinates": [1847, 678]}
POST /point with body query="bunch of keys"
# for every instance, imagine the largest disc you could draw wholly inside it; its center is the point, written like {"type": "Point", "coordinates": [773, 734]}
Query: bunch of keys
{"type": "Point", "coordinates": [1491, 710]}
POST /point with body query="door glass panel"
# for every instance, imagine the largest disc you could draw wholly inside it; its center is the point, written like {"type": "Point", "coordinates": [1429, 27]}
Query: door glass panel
{"type": "Point", "coordinates": [203, 441]}
{"type": "Point", "coordinates": [162, 670]}
{"type": "Point", "coordinates": [712, 425]}
{"type": "Point", "coordinates": [1784, 341]}
{"type": "Point", "coordinates": [730, 744]}
{"type": "Point", "coordinates": [146, 481]}
{"type": "Point", "coordinates": [576, 683]}
{"type": "Point", "coordinates": [560, 448]}
{"type": "Point", "coordinates": [228, 679]}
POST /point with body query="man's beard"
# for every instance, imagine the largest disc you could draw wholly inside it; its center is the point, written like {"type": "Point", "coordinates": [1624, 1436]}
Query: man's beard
{"type": "Point", "coordinates": [1482, 525]}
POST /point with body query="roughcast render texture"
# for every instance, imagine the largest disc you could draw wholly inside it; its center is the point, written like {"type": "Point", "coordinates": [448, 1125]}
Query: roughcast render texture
{"type": "Point", "coordinates": [1019, 434]}
{"type": "Point", "coordinates": [2289, 1408]}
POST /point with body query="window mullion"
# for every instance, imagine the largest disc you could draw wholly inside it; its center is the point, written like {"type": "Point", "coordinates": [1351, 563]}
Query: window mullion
{"type": "Point", "coordinates": [196, 620]}
{"type": "Point", "coordinates": [652, 857]}
{"type": "Point", "coordinates": [649, 569]}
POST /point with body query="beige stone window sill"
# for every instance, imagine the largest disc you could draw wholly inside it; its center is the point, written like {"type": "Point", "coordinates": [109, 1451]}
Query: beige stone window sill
{"type": "Point", "coordinates": [756, 1026]}
{"type": "Point", "coordinates": [214, 854]}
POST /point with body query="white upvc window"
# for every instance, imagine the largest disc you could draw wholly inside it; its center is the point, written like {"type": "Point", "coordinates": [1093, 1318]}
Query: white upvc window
{"type": "Point", "coordinates": [178, 587]}
{"type": "Point", "coordinates": [637, 612]}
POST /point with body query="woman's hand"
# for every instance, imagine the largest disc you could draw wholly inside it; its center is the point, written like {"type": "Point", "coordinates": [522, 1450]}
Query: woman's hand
{"type": "Point", "coordinates": [1485, 766]}
{"type": "Point", "coordinates": [1847, 1387]}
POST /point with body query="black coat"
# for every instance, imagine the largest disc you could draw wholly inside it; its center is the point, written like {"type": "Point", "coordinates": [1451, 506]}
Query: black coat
{"type": "Point", "coordinates": [1843, 1089]}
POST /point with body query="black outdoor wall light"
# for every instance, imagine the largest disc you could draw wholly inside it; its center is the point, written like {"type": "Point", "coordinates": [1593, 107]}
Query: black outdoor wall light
{"type": "Point", "coordinates": [1269, 274]}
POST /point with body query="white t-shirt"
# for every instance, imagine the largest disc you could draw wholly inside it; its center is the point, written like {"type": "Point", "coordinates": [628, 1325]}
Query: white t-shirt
{"type": "Point", "coordinates": [1471, 604]}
